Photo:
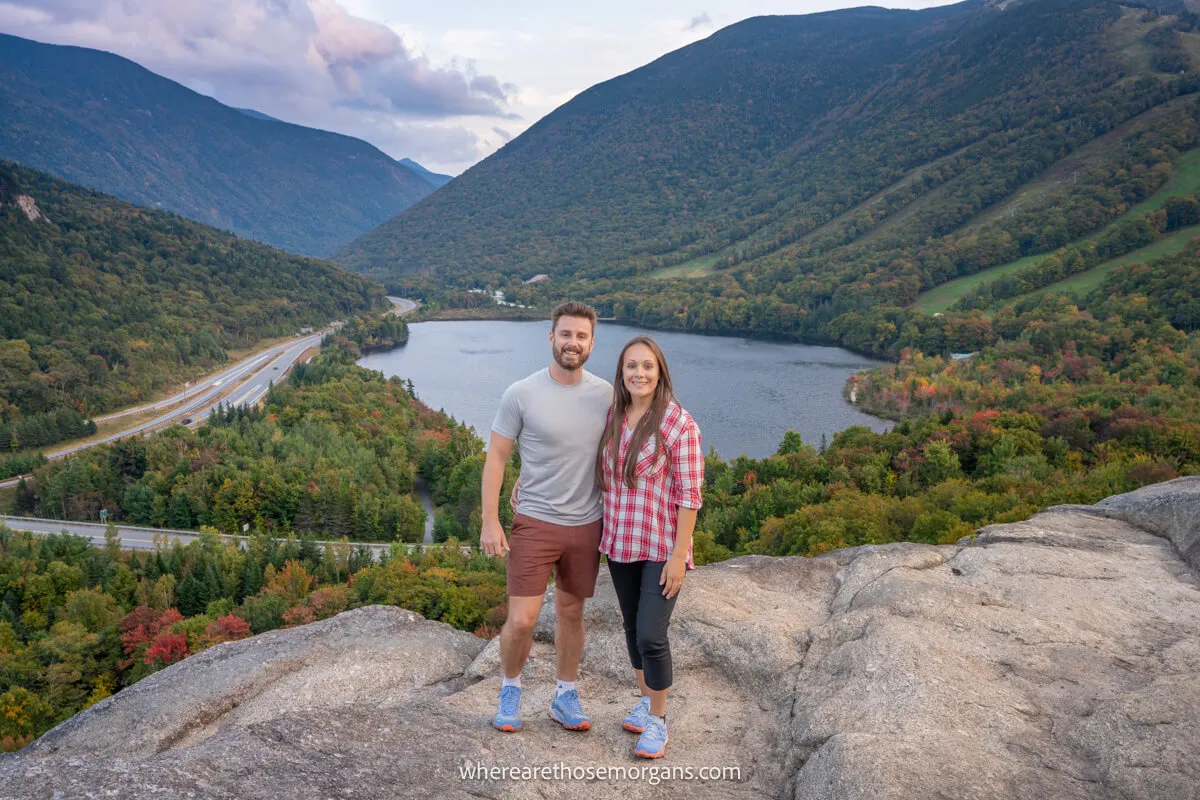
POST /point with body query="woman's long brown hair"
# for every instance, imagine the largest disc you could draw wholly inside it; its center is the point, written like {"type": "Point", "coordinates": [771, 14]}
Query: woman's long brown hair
{"type": "Point", "coordinates": [651, 421]}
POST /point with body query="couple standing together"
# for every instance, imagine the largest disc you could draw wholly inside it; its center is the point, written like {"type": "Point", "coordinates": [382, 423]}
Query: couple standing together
{"type": "Point", "coordinates": [604, 470]}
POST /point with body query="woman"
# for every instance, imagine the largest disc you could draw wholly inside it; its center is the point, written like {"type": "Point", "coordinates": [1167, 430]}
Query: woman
{"type": "Point", "coordinates": [650, 468]}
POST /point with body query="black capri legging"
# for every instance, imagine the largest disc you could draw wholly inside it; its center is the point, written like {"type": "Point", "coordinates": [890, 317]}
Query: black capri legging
{"type": "Point", "coordinates": [646, 614]}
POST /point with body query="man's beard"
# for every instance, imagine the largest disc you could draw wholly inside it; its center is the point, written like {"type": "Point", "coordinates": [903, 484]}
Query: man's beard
{"type": "Point", "coordinates": [570, 361]}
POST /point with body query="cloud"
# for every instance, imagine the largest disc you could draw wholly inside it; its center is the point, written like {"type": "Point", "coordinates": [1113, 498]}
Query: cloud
{"type": "Point", "coordinates": [702, 20]}
{"type": "Point", "coordinates": [503, 134]}
{"type": "Point", "coordinates": [304, 61]}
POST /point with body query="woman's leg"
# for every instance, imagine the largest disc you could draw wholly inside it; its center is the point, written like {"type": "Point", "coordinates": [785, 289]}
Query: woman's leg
{"type": "Point", "coordinates": [653, 620]}
{"type": "Point", "coordinates": [627, 582]}
{"type": "Point", "coordinates": [641, 679]}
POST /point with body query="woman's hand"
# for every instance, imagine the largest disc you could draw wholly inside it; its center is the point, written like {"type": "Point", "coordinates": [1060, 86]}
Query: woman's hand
{"type": "Point", "coordinates": [671, 578]}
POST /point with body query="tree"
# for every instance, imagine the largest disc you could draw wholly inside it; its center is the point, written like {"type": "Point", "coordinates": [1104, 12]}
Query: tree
{"type": "Point", "coordinates": [167, 648]}
{"type": "Point", "coordinates": [228, 628]}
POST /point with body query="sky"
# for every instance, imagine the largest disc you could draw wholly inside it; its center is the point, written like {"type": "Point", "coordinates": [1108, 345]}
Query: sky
{"type": "Point", "coordinates": [443, 83]}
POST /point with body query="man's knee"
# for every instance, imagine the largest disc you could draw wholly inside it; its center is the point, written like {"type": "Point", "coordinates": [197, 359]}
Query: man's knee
{"type": "Point", "coordinates": [522, 616]}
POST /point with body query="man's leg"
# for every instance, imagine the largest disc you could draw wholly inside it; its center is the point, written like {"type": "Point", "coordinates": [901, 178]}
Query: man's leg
{"type": "Point", "coordinates": [530, 560]}
{"type": "Point", "coordinates": [574, 582]}
{"type": "Point", "coordinates": [565, 709]}
{"type": "Point", "coordinates": [516, 637]}
{"type": "Point", "coordinates": [568, 634]}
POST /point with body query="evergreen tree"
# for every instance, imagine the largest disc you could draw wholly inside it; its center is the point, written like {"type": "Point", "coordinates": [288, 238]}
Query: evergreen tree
{"type": "Point", "coordinates": [191, 596]}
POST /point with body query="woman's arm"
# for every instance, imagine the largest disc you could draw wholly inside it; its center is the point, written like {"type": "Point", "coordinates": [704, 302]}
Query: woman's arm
{"type": "Point", "coordinates": [687, 468]}
{"type": "Point", "coordinates": [672, 575]}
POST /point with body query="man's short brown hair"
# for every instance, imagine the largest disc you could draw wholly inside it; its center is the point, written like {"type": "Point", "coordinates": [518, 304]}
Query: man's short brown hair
{"type": "Point", "coordinates": [573, 308]}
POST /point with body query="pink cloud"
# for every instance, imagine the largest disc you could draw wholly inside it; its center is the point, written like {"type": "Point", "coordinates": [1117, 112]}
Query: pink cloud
{"type": "Point", "coordinates": [306, 61]}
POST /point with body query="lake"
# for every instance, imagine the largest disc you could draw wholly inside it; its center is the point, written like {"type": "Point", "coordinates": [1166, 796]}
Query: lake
{"type": "Point", "coordinates": [744, 394]}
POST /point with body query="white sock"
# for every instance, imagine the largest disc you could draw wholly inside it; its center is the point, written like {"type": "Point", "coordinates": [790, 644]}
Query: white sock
{"type": "Point", "coordinates": [564, 686]}
{"type": "Point", "coordinates": [510, 681]}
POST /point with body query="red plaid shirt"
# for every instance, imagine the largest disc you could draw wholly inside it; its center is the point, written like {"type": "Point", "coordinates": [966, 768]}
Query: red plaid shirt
{"type": "Point", "coordinates": [639, 523]}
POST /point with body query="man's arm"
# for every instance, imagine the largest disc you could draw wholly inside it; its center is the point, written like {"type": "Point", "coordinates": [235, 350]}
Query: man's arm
{"type": "Point", "coordinates": [491, 536]}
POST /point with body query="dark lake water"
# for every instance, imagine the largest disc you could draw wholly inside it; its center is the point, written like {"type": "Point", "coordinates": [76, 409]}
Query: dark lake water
{"type": "Point", "coordinates": [744, 394]}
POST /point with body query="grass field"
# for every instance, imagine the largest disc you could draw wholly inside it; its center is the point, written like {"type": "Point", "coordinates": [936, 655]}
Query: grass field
{"type": "Point", "coordinates": [1185, 181]}
{"type": "Point", "coordinates": [940, 298]}
{"type": "Point", "coordinates": [697, 267]}
{"type": "Point", "coordinates": [107, 429]}
{"type": "Point", "coordinates": [1079, 285]}
{"type": "Point", "coordinates": [1089, 155]}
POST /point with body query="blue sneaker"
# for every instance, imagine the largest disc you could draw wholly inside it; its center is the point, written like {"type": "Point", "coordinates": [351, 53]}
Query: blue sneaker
{"type": "Point", "coordinates": [508, 716]}
{"type": "Point", "coordinates": [653, 741]}
{"type": "Point", "coordinates": [636, 721]}
{"type": "Point", "coordinates": [566, 711]}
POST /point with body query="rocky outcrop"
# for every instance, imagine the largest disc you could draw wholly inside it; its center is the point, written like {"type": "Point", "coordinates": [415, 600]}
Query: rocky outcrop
{"type": "Point", "coordinates": [10, 194]}
{"type": "Point", "coordinates": [1053, 658]}
{"type": "Point", "coordinates": [29, 206]}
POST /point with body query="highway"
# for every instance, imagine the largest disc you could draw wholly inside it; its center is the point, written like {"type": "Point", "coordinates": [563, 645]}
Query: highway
{"type": "Point", "coordinates": [137, 538]}
{"type": "Point", "coordinates": [243, 384]}
{"type": "Point", "coordinates": [402, 306]}
{"type": "Point", "coordinates": [222, 378]}
{"type": "Point", "coordinates": [252, 389]}
{"type": "Point", "coordinates": [249, 379]}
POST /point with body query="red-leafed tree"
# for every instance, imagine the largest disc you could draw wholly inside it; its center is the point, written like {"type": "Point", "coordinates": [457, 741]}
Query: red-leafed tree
{"type": "Point", "coordinates": [142, 625]}
{"type": "Point", "coordinates": [228, 628]}
{"type": "Point", "coordinates": [167, 648]}
{"type": "Point", "coordinates": [298, 615]}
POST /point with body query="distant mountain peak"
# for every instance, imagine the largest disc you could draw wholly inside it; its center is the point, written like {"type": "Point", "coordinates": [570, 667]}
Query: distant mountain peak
{"type": "Point", "coordinates": [436, 179]}
{"type": "Point", "coordinates": [103, 121]}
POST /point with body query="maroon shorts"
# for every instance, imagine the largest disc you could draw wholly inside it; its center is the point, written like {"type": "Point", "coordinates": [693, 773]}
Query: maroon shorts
{"type": "Point", "coordinates": [535, 548]}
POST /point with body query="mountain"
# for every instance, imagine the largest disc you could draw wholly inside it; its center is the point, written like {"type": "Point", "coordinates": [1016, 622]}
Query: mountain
{"type": "Point", "coordinates": [250, 112]}
{"type": "Point", "coordinates": [1053, 657]}
{"type": "Point", "coordinates": [435, 179]}
{"type": "Point", "coordinates": [788, 171]}
{"type": "Point", "coordinates": [103, 303]}
{"type": "Point", "coordinates": [103, 121]}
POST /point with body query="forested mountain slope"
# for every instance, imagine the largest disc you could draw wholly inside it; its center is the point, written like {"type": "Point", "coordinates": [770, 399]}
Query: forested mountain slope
{"type": "Point", "coordinates": [102, 302]}
{"type": "Point", "coordinates": [100, 120]}
{"type": "Point", "coordinates": [789, 171]}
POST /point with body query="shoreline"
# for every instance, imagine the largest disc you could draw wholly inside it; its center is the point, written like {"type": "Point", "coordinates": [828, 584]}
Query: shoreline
{"type": "Point", "coordinates": [537, 315]}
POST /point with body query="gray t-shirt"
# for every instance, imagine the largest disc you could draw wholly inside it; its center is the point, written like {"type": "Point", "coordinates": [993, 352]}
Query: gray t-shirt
{"type": "Point", "coordinates": [557, 429]}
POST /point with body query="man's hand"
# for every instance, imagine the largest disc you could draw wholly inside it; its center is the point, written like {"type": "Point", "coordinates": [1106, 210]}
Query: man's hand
{"type": "Point", "coordinates": [491, 535]}
{"type": "Point", "coordinates": [492, 539]}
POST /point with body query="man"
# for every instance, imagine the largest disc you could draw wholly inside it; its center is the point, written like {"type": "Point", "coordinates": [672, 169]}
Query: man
{"type": "Point", "coordinates": [556, 416]}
